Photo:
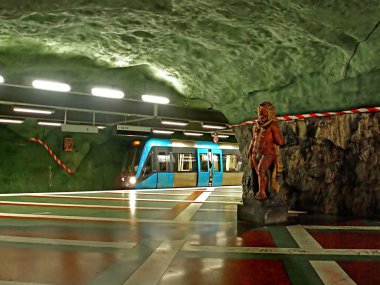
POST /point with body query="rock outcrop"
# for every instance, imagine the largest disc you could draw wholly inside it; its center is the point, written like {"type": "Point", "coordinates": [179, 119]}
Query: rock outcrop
{"type": "Point", "coordinates": [331, 164]}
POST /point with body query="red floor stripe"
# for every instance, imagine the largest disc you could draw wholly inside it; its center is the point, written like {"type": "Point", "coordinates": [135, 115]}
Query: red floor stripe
{"type": "Point", "coordinates": [255, 272]}
{"type": "Point", "coordinates": [345, 239]}
{"type": "Point", "coordinates": [257, 238]}
{"type": "Point", "coordinates": [362, 272]}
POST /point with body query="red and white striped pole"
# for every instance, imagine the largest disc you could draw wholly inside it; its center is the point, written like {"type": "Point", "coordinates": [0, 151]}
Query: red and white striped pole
{"type": "Point", "coordinates": [52, 154]}
{"type": "Point", "coordinates": [316, 115]}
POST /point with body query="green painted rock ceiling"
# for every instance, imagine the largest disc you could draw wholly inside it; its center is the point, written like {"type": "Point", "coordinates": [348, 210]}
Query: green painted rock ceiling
{"type": "Point", "coordinates": [303, 55]}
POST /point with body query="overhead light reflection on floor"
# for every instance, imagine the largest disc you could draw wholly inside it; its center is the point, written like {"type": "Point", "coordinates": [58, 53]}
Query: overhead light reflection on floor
{"type": "Point", "coordinates": [211, 264]}
{"type": "Point", "coordinates": [132, 204]}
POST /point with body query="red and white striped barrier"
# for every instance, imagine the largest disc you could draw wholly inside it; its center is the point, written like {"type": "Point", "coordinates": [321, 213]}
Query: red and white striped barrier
{"type": "Point", "coordinates": [315, 115]}
{"type": "Point", "coordinates": [52, 154]}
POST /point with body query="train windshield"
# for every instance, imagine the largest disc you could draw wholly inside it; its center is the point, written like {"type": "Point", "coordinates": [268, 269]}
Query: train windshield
{"type": "Point", "coordinates": [132, 158]}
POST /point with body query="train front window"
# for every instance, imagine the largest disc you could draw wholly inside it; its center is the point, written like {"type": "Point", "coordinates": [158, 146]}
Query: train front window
{"type": "Point", "coordinates": [131, 160]}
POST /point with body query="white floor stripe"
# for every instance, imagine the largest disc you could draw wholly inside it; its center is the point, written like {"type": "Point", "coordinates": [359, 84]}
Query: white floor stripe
{"type": "Point", "coordinates": [2, 282]}
{"type": "Point", "coordinates": [331, 273]}
{"type": "Point", "coordinates": [189, 246]}
{"type": "Point", "coordinates": [217, 210]}
{"type": "Point", "coordinates": [51, 241]}
{"type": "Point", "coordinates": [101, 219]}
{"type": "Point", "coordinates": [127, 199]}
{"type": "Point", "coordinates": [151, 271]}
{"type": "Point", "coordinates": [302, 237]}
{"type": "Point", "coordinates": [124, 191]}
{"type": "Point", "coordinates": [190, 211]}
{"type": "Point", "coordinates": [362, 228]}
{"type": "Point", "coordinates": [42, 204]}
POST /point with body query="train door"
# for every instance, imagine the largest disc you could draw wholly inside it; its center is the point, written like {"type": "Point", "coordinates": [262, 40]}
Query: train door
{"type": "Point", "coordinates": [204, 169]}
{"type": "Point", "coordinates": [164, 173]}
{"type": "Point", "coordinates": [217, 174]}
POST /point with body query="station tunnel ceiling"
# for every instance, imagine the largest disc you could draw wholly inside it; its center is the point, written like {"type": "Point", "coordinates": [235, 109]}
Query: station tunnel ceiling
{"type": "Point", "coordinates": [302, 55]}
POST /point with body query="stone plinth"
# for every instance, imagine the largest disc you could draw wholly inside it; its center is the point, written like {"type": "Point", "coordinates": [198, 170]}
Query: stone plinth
{"type": "Point", "coordinates": [262, 212]}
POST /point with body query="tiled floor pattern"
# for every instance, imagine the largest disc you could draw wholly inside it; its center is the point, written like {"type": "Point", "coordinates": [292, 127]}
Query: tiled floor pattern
{"type": "Point", "coordinates": [175, 236]}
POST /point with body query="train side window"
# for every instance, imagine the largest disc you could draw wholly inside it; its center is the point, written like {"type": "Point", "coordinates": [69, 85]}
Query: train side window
{"type": "Point", "coordinates": [231, 163]}
{"type": "Point", "coordinates": [216, 162]}
{"type": "Point", "coordinates": [204, 162]}
{"type": "Point", "coordinates": [163, 162]}
{"type": "Point", "coordinates": [187, 162]}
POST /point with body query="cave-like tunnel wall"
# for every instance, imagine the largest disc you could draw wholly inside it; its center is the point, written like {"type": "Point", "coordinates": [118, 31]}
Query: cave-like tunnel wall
{"type": "Point", "coordinates": [26, 166]}
{"type": "Point", "coordinates": [331, 165]}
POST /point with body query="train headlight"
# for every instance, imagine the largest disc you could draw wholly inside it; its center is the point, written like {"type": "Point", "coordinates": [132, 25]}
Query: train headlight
{"type": "Point", "coordinates": [132, 180]}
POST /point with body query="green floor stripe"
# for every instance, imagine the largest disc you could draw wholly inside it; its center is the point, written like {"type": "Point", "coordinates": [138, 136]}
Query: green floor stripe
{"type": "Point", "coordinates": [127, 264]}
{"type": "Point", "coordinates": [298, 268]}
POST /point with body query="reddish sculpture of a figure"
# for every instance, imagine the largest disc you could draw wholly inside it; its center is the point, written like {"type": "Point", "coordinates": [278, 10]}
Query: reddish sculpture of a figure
{"type": "Point", "coordinates": [263, 150]}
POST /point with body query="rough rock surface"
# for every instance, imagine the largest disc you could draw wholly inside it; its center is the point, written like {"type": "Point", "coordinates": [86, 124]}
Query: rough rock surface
{"type": "Point", "coordinates": [331, 165]}
{"type": "Point", "coordinates": [230, 55]}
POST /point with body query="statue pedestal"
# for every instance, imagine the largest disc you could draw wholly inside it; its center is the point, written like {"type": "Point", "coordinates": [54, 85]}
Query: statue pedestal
{"type": "Point", "coordinates": [262, 212]}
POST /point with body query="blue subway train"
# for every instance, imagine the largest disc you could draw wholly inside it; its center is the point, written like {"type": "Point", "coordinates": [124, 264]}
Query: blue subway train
{"type": "Point", "coordinates": [164, 163]}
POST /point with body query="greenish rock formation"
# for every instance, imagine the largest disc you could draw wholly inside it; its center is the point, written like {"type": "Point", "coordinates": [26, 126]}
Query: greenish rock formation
{"type": "Point", "coordinates": [229, 55]}
{"type": "Point", "coordinates": [331, 165]}
{"type": "Point", "coordinates": [96, 161]}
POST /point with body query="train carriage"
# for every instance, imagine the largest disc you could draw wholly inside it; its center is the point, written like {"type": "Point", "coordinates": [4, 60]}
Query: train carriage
{"type": "Point", "coordinates": [164, 163]}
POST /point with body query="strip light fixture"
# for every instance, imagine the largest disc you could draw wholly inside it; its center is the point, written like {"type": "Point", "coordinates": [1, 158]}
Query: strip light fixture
{"type": "Point", "coordinates": [1, 79]}
{"type": "Point", "coordinates": [223, 136]}
{"type": "Point", "coordinates": [164, 132]}
{"type": "Point", "coordinates": [107, 92]}
{"type": "Point", "coordinates": [209, 126]}
{"type": "Point", "coordinates": [51, 124]}
{"type": "Point", "coordinates": [174, 123]}
{"type": "Point", "coordinates": [194, 134]}
{"type": "Point", "coordinates": [51, 85]}
{"type": "Point", "coordinates": [32, 110]}
{"type": "Point", "coordinates": [11, 121]}
{"type": "Point", "coordinates": [155, 99]}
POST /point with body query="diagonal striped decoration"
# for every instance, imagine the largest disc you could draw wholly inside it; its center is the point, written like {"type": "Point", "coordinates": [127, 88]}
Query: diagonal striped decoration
{"type": "Point", "coordinates": [64, 166]}
{"type": "Point", "coordinates": [315, 115]}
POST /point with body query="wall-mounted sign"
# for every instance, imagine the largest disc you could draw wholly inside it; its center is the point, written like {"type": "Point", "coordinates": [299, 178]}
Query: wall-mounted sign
{"type": "Point", "coordinates": [68, 143]}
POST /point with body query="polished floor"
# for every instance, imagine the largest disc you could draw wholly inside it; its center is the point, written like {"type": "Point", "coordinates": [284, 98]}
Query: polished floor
{"type": "Point", "coordinates": [176, 236]}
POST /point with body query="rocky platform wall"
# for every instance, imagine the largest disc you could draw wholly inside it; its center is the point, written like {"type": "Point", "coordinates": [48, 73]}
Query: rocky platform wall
{"type": "Point", "coordinates": [331, 164]}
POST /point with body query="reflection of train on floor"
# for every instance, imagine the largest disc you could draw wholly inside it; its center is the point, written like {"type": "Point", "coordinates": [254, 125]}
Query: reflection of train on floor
{"type": "Point", "coordinates": [164, 163]}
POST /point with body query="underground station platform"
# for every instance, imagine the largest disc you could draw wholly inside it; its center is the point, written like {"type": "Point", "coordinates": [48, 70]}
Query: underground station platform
{"type": "Point", "coordinates": [176, 236]}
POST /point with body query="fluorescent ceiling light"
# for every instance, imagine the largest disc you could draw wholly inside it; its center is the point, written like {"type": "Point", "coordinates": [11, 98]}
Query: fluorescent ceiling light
{"type": "Point", "coordinates": [228, 146]}
{"type": "Point", "coordinates": [163, 132]}
{"type": "Point", "coordinates": [30, 110]}
{"type": "Point", "coordinates": [219, 127]}
{"type": "Point", "coordinates": [174, 123]}
{"type": "Point", "coordinates": [155, 99]}
{"type": "Point", "coordinates": [51, 85]}
{"type": "Point", "coordinates": [53, 124]}
{"type": "Point", "coordinates": [193, 134]}
{"type": "Point", "coordinates": [223, 136]}
{"type": "Point", "coordinates": [101, 127]}
{"type": "Point", "coordinates": [1, 79]}
{"type": "Point", "coordinates": [11, 121]}
{"type": "Point", "coordinates": [177, 144]}
{"type": "Point", "coordinates": [107, 92]}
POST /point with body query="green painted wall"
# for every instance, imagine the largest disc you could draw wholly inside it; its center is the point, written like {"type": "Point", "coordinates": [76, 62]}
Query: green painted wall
{"type": "Point", "coordinates": [28, 167]}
